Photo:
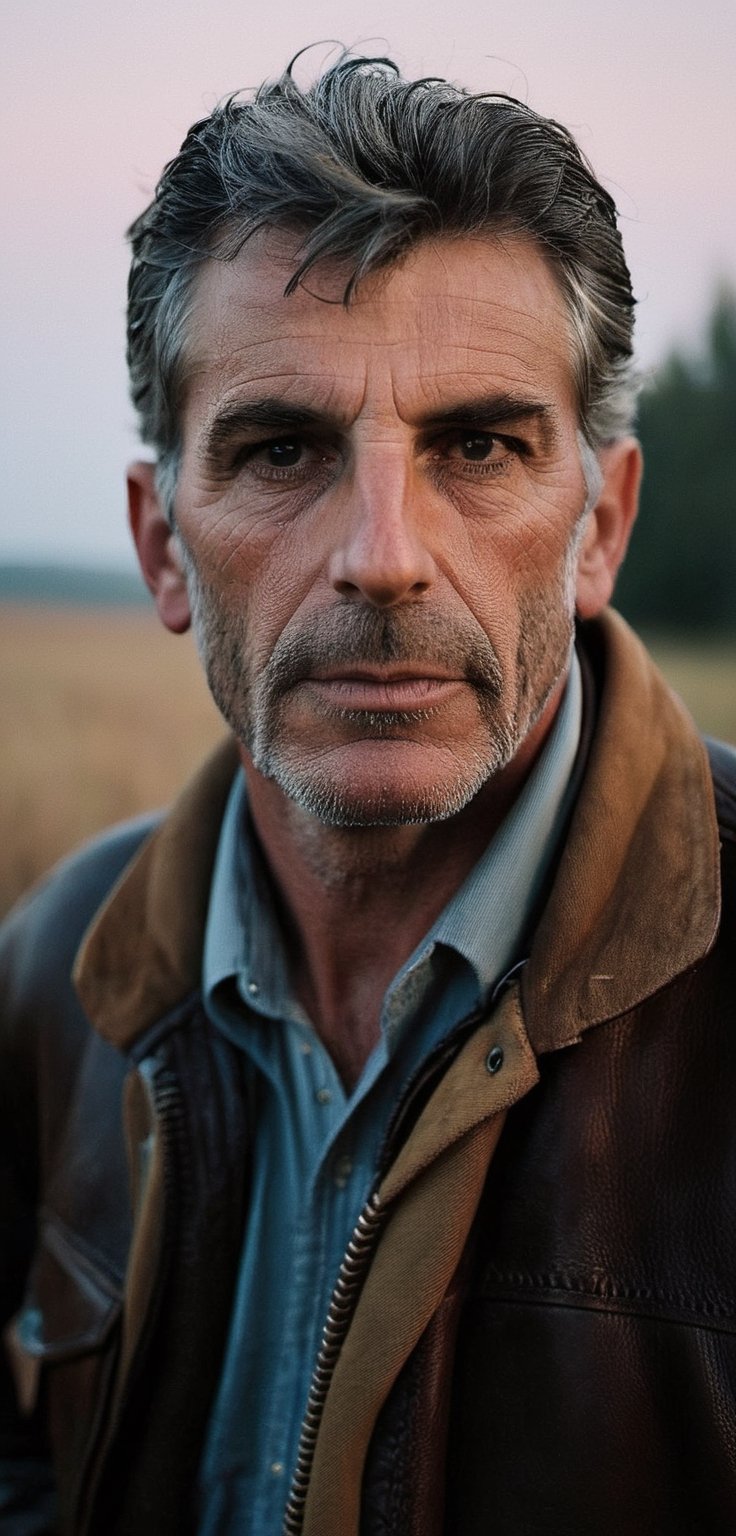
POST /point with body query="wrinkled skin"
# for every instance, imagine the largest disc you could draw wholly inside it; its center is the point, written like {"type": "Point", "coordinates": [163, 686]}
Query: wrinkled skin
{"type": "Point", "coordinates": [384, 594]}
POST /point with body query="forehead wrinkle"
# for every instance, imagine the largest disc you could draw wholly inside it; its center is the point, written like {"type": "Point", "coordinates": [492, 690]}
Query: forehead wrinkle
{"type": "Point", "coordinates": [377, 331]}
{"type": "Point", "coordinates": [520, 341]}
{"type": "Point", "coordinates": [245, 384]}
{"type": "Point", "coordinates": [253, 283]}
{"type": "Point", "coordinates": [230, 413]}
{"type": "Point", "coordinates": [371, 320]}
{"type": "Point", "coordinates": [220, 357]}
{"type": "Point", "coordinates": [445, 390]}
{"type": "Point", "coordinates": [411, 392]}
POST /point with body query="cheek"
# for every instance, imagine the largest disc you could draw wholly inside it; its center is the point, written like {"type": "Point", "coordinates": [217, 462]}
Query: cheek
{"type": "Point", "coordinates": [519, 585]}
{"type": "Point", "coordinates": [257, 575]}
{"type": "Point", "coordinates": [520, 548]}
{"type": "Point", "coordinates": [224, 546]}
{"type": "Point", "coordinates": [229, 549]}
{"type": "Point", "coordinates": [518, 525]}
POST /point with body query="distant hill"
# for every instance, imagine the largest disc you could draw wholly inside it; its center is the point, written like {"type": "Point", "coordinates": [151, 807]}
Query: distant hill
{"type": "Point", "coordinates": [80, 586]}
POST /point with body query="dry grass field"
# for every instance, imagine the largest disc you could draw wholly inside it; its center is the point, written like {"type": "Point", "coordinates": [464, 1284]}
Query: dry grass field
{"type": "Point", "coordinates": [103, 714]}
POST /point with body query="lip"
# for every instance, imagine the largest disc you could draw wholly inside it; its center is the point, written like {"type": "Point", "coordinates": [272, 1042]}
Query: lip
{"type": "Point", "coordinates": [400, 673]}
{"type": "Point", "coordinates": [388, 689]}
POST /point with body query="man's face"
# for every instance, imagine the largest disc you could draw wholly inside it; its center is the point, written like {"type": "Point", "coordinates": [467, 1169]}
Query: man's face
{"type": "Point", "coordinates": [380, 513]}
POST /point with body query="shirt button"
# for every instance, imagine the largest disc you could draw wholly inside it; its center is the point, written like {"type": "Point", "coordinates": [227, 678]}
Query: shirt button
{"type": "Point", "coordinates": [305, 1048]}
{"type": "Point", "coordinates": [343, 1170]}
{"type": "Point", "coordinates": [253, 988]}
{"type": "Point", "coordinates": [277, 1468]}
{"type": "Point", "coordinates": [323, 1096]}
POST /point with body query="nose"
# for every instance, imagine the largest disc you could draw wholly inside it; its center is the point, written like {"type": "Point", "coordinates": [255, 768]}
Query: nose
{"type": "Point", "coordinates": [380, 554]}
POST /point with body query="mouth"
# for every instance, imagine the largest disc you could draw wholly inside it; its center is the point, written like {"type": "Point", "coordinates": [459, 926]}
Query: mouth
{"type": "Point", "coordinates": [376, 689]}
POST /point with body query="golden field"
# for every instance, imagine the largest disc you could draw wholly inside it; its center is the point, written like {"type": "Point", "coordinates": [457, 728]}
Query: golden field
{"type": "Point", "coordinates": [104, 714]}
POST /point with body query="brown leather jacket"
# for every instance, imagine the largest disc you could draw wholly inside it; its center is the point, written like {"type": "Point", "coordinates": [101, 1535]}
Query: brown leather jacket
{"type": "Point", "coordinates": [534, 1330]}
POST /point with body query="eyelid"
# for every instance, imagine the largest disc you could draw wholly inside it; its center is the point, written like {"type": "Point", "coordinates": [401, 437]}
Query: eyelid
{"type": "Point", "coordinates": [251, 459]}
{"type": "Point", "coordinates": [247, 448]}
{"type": "Point", "coordinates": [309, 437]}
{"type": "Point", "coordinates": [505, 440]}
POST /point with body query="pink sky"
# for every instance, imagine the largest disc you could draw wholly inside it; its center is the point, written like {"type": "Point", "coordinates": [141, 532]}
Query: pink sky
{"type": "Point", "coordinates": [97, 99]}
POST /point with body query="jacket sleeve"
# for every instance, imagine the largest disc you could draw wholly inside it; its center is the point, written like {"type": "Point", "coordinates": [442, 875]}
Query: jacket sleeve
{"type": "Point", "coordinates": [44, 1036]}
{"type": "Point", "coordinates": [26, 1481]}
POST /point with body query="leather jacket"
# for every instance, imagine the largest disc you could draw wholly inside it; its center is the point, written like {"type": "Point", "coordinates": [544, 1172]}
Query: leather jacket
{"type": "Point", "coordinates": [533, 1329]}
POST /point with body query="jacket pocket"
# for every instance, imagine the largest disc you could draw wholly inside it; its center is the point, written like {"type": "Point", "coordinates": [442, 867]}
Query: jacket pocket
{"type": "Point", "coordinates": [69, 1311]}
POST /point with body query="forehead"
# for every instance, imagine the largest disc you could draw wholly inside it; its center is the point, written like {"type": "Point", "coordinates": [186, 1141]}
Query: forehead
{"type": "Point", "coordinates": [452, 312]}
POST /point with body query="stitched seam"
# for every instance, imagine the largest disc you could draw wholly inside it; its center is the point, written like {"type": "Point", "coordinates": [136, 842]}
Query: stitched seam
{"type": "Point", "coordinates": [77, 1255]}
{"type": "Point", "coordinates": [567, 1302]}
{"type": "Point", "coordinates": [603, 1289]}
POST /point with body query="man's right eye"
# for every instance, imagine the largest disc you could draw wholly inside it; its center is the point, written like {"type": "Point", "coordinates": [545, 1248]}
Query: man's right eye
{"type": "Point", "coordinates": [282, 453]}
{"type": "Point", "coordinates": [284, 459]}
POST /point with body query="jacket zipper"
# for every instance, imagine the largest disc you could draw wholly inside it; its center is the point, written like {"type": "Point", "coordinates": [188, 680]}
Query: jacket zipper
{"type": "Point", "coordinates": [342, 1305]}
{"type": "Point", "coordinates": [350, 1279]}
{"type": "Point", "coordinates": [169, 1113]}
{"type": "Point", "coordinates": [349, 1282]}
{"type": "Point", "coordinates": [359, 1253]}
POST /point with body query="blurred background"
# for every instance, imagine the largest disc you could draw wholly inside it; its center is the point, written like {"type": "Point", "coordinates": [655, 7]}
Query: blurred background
{"type": "Point", "coordinates": [101, 712]}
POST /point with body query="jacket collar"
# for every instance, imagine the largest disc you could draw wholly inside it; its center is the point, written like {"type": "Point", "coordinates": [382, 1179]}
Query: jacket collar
{"type": "Point", "coordinates": [636, 896]}
{"type": "Point", "coordinates": [635, 900]}
{"type": "Point", "coordinates": [142, 953]}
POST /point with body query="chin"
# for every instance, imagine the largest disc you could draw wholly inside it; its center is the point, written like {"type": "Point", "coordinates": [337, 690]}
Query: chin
{"type": "Point", "coordinates": [375, 799]}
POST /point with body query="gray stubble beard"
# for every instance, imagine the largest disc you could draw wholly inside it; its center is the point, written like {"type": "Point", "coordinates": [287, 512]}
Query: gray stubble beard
{"type": "Point", "coordinates": [250, 703]}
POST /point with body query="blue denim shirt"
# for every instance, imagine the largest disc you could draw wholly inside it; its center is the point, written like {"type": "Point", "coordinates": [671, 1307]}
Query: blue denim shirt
{"type": "Point", "coordinates": [316, 1145]}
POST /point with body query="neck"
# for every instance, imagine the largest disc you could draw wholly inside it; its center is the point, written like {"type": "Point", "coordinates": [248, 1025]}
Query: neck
{"type": "Point", "coordinates": [356, 901]}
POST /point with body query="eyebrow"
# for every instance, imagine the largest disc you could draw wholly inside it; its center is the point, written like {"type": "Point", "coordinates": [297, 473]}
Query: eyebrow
{"type": "Point", "coordinates": [482, 412]}
{"type": "Point", "coordinates": [271, 414]}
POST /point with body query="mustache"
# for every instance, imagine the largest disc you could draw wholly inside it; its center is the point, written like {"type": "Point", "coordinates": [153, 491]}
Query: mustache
{"type": "Point", "coordinates": [353, 635]}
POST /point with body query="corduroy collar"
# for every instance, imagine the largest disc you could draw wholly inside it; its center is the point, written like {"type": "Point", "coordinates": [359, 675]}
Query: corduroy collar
{"type": "Point", "coordinates": [635, 900]}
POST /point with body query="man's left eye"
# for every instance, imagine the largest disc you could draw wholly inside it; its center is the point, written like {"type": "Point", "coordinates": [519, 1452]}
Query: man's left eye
{"type": "Point", "coordinates": [283, 453]}
{"type": "Point", "coordinates": [478, 446]}
{"type": "Point", "coordinates": [482, 448]}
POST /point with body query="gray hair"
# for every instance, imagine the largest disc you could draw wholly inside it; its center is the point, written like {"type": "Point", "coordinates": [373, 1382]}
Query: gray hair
{"type": "Point", "coordinates": [362, 165]}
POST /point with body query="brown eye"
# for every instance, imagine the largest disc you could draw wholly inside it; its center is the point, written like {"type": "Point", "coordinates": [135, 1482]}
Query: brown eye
{"type": "Point", "coordinates": [476, 446]}
{"type": "Point", "coordinates": [284, 453]}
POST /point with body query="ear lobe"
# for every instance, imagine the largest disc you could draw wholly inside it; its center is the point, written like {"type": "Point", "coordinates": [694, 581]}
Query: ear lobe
{"type": "Point", "coordinates": [157, 548]}
{"type": "Point", "coordinates": [609, 526]}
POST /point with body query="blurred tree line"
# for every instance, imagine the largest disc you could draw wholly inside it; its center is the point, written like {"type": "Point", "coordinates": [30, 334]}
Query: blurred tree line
{"type": "Point", "coordinates": [680, 573]}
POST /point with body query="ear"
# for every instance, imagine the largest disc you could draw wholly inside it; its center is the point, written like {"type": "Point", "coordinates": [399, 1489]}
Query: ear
{"type": "Point", "coordinates": [158, 551]}
{"type": "Point", "coordinates": [608, 526]}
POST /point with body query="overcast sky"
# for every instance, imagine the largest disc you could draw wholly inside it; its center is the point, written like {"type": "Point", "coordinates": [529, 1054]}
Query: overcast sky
{"type": "Point", "coordinates": [98, 98]}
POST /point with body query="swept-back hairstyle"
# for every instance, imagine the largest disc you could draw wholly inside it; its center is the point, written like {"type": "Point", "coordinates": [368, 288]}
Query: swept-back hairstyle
{"type": "Point", "coordinates": [363, 165]}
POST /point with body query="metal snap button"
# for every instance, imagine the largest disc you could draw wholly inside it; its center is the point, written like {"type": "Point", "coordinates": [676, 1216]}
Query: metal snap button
{"type": "Point", "coordinates": [494, 1060]}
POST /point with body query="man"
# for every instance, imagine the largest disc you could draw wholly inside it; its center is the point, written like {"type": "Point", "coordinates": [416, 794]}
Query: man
{"type": "Point", "coordinates": [380, 1146]}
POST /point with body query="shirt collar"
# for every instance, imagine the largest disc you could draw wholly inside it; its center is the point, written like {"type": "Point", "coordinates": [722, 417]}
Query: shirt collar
{"type": "Point", "coordinates": [244, 937]}
{"type": "Point", "coordinates": [488, 918]}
